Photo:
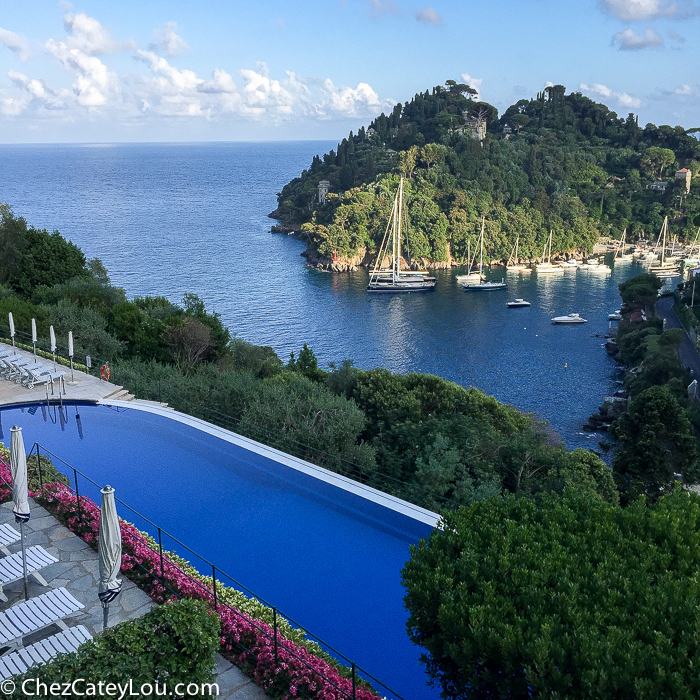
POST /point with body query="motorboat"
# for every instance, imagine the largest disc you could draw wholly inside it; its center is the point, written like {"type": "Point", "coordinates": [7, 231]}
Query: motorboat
{"type": "Point", "coordinates": [486, 286]}
{"type": "Point", "coordinates": [517, 303]}
{"type": "Point", "coordinates": [572, 264]}
{"type": "Point", "coordinates": [570, 318]}
{"type": "Point", "coordinates": [615, 315]}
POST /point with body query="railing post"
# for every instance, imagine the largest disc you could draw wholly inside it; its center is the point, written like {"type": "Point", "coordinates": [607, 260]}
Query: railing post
{"type": "Point", "coordinates": [38, 462]}
{"type": "Point", "coordinates": [274, 626]}
{"type": "Point", "coordinates": [77, 495]}
{"type": "Point", "coordinates": [160, 547]}
{"type": "Point", "coordinates": [354, 683]}
{"type": "Point", "coordinates": [213, 579]}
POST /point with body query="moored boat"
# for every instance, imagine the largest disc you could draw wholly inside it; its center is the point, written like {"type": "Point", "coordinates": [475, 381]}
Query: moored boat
{"type": "Point", "coordinates": [517, 303]}
{"type": "Point", "coordinates": [570, 319]}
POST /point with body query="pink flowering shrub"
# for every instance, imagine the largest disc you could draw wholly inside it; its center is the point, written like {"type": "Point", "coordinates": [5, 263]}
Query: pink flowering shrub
{"type": "Point", "coordinates": [249, 642]}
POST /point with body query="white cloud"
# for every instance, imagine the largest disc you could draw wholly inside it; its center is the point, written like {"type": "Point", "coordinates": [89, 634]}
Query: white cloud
{"type": "Point", "coordinates": [170, 91]}
{"type": "Point", "coordinates": [683, 90]}
{"type": "Point", "coordinates": [428, 15]}
{"type": "Point", "coordinates": [473, 83]}
{"type": "Point", "coordinates": [16, 43]}
{"type": "Point", "coordinates": [94, 83]}
{"type": "Point", "coordinates": [629, 41]}
{"type": "Point", "coordinates": [622, 99]}
{"type": "Point", "coordinates": [352, 102]}
{"type": "Point", "coordinates": [262, 94]}
{"type": "Point", "coordinates": [169, 41]}
{"type": "Point", "coordinates": [88, 36]}
{"type": "Point", "coordinates": [634, 10]}
{"type": "Point", "coordinates": [36, 91]}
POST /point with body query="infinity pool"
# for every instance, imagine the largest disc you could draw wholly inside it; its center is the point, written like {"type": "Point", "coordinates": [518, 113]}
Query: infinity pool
{"type": "Point", "coordinates": [328, 558]}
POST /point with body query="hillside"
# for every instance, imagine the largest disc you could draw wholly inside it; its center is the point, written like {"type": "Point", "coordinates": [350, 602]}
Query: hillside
{"type": "Point", "coordinates": [560, 162]}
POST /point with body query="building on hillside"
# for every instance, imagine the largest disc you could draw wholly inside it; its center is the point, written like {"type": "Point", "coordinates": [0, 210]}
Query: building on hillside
{"type": "Point", "coordinates": [684, 175]}
{"type": "Point", "coordinates": [659, 185]}
{"type": "Point", "coordinates": [323, 188]}
{"type": "Point", "coordinates": [474, 127]}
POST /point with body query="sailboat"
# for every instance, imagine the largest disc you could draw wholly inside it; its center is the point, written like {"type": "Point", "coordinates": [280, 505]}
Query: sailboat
{"type": "Point", "coordinates": [394, 279]}
{"type": "Point", "coordinates": [513, 265]}
{"type": "Point", "coordinates": [665, 268]}
{"type": "Point", "coordinates": [484, 286]}
{"type": "Point", "coordinates": [548, 266]}
{"type": "Point", "coordinates": [620, 255]}
{"type": "Point", "coordinates": [471, 277]}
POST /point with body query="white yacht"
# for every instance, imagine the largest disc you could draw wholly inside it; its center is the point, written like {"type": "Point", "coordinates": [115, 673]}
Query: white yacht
{"type": "Point", "coordinates": [615, 315]}
{"type": "Point", "coordinates": [517, 303]}
{"type": "Point", "coordinates": [569, 318]}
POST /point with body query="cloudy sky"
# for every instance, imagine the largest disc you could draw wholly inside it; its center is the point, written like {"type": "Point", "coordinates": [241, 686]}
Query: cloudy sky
{"type": "Point", "coordinates": [176, 70]}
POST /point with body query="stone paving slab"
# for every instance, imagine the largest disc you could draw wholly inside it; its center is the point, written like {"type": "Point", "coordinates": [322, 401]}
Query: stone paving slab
{"type": "Point", "coordinates": [77, 570]}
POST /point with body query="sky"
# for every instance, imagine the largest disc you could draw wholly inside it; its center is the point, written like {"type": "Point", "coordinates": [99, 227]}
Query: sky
{"type": "Point", "coordinates": [227, 70]}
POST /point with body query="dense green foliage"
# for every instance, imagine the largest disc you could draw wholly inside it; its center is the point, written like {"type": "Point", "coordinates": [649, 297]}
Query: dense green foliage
{"type": "Point", "coordinates": [566, 598]}
{"type": "Point", "coordinates": [570, 165]}
{"type": "Point", "coordinates": [657, 436]}
{"type": "Point", "coordinates": [171, 644]}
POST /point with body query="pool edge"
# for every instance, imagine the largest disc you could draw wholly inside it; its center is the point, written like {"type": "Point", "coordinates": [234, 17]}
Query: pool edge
{"type": "Point", "coordinates": [386, 500]}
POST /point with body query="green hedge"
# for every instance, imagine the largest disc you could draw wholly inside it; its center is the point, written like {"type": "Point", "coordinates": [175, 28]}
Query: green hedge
{"type": "Point", "coordinates": [171, 644]}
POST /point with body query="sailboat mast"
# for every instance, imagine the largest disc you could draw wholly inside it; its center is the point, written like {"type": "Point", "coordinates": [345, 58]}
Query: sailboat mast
{"type": "Point", "coordinates": [663, 247]}
{"type": "Point", "coordinates": [398, 236]}
{"type": "Point", "coordinates": [549, 257]}
{"type": "Point", "coordinates": [481, 256]}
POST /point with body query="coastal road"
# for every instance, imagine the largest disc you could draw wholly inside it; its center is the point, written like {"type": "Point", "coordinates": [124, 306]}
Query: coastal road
{"type": "Point", "coordinates": [688, 354]}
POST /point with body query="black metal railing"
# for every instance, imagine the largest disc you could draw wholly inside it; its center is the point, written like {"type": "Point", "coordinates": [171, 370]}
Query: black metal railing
{"type": "Point", "coordinates": [159, 535]}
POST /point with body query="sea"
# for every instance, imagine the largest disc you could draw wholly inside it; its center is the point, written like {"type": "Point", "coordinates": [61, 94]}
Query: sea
{"type": "Point", "coordinates": [172, 218]}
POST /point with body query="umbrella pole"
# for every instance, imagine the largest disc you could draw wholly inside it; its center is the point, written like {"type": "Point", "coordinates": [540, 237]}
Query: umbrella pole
{"type": "Point", "coordinates": [24, 562]}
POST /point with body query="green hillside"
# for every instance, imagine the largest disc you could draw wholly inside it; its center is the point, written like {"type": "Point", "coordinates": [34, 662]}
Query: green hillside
{"type": "Point", "coordinates": [560, 162]}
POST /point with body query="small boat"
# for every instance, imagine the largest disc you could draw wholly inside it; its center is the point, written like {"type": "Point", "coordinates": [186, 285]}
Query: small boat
{"type": "Point", "coordinates": [486, 286]}
{"type": "Point", "coordinates": [615, 315]}
{"type": "Point", "coordinates": [569, 318]}
{"type": "Point", "coordinates": [571, 263]}
{"type": "Point", "coordinates": [517, 303]}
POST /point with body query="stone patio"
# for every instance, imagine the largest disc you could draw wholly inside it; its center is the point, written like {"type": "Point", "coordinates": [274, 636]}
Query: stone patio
{"type": "Point", "coordinates": [77, 571]}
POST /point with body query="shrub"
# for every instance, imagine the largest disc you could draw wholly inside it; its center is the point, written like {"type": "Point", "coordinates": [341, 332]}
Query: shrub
{"type": "Point", "coordinates": [571, 598]}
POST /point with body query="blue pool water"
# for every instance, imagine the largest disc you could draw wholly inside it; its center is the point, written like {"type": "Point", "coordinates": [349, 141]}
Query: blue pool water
{"type": "Point", "coordinates": [325, 557]}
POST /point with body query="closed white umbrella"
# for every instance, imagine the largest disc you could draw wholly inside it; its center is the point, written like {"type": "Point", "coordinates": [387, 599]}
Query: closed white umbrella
{"type": "Point", "coordinates": [109, 552]}
{"type": "Point", "coordinates": [12, 328]}
{"type": "Point", "coordinates": [70, 354]}
{"type": "Point", "coordinates": [18, 467]}
{"type": "Point", "coordinates": [34, 337]}
{"type": "Point", "coordinates": [52, 335]}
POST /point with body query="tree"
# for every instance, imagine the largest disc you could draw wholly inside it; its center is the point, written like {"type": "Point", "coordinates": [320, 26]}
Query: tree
{"type": "Point", "coordinates": [655, 159]}
{"type": "Point", "coordinates": [569, 597]}
{"type": "Point", "coordinates": [654, 443]}
{"type": "Point", "coordinates": [640, 290]}
{"type": "Point", "coordinates": [189, 342]}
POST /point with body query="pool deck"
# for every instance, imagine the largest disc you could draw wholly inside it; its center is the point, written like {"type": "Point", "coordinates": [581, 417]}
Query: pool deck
{"type": "Point", "coordinates": [84, 388]}
{"type": "Point", "coordinates": [77, 570]}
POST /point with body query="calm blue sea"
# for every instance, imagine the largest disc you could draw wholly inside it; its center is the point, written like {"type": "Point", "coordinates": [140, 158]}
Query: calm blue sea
{"type": "Point", "coordinates": [168, 219]}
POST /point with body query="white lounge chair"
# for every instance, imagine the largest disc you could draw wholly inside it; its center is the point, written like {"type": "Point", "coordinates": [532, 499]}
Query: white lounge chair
{"type": "Point", "coordinates": [11, 568]}
{"type": "Point", "coordinates": [64, 642]}
{"type": "Point", "coordinates": [8, 536]}
{"type": "Point", "coordinates": [15, 366]}
{"type": "Point", "coordinates": [36, 613]}
{"type": "Point", "coordinates": [35, 374]}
